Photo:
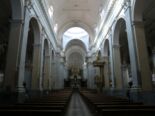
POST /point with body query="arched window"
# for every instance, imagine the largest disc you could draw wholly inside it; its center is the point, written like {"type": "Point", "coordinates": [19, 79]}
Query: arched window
{"type": "Point", "coordinates": [50, 11]}
{"type": "Point", "coordinates": [76, 33]}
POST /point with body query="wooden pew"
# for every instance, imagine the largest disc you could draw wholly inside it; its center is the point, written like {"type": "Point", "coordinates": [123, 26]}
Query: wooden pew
{"type": "Point", "coordinates": [51, 105]}
{"type": "Point", "coordinates": [128, 106]}
{"type": "Point", "coordinates": [116, 106]}
{"type": "Point", "coordinates": [34, 107]}
{"type": "Point", "coordinates": [31, 112]}
{"type": "Point", "coordinates": [127, 112]}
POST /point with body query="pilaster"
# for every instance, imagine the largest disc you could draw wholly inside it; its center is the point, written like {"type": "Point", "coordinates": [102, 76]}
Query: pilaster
{"type": "Point", "coordinates": [143, 61]}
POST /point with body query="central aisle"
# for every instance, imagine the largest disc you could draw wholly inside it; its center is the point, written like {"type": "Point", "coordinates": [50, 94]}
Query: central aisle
{"type": "Point", "coordinates": [77, 107]}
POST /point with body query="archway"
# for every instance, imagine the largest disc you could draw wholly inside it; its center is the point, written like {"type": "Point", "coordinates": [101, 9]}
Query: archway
{"type": "Point", "coordinates": [75, 62]}
{"type": "Point", "coordinates": [75, 53]}
{"type": "Point", "coordinates": [106, 53]}
{"type": "Point", "coordinates": [121, 55]}
{"type": "Point", "coordinates": [71, 25]}
{"type": "Point", "coordinates": [32, 59]}
{"type": "Point", "coordinates": [78, 34]}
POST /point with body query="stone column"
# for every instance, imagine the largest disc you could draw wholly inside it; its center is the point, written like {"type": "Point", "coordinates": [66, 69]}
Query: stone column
{"type": "Point", "coordinates": [36, 66]}
{"type": "Point", "coordinates": [90, 76]}
{"type": "Point", "coordinates": [132, 49]}
{"type": "Point", "coordinates": [62, 74]}
{"type": "Point", "coordinates": [23, 52]}
{"type": "Point", "coordinates": [50, 69]}
{"type": "Point", "coordinates": [41, 61]}
{"type": "Point", "coordinates": [47, 72]}
{"type": "Point", "coordinates": [142, 56]}
{"type": "Point", "coordinates": [56, 72]}
{"type": "Point", "coordinates": [53, 73]}
{"type": "Point", "coordinates": [84, 72]}
{"type": "Point", "coordinates": [125, 76]}
{"type": "Point", "coordinates": [117, 66]}
{"type": "Point", "coordinates": [11, 72]}
{"type": "Point", "coordinates": [113, 82]}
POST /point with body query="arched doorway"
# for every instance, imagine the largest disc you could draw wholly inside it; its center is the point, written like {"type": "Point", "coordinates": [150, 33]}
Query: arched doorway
{"type": "Point", "coordinates": [121, 55]}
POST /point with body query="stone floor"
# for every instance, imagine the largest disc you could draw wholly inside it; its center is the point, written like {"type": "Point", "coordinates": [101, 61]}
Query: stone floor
{"type": "Point", "coordinates": [77, 106]}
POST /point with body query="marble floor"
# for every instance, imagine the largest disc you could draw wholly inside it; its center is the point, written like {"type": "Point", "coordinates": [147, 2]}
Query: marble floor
{"type": "Point", "coordinates": [77, 106]}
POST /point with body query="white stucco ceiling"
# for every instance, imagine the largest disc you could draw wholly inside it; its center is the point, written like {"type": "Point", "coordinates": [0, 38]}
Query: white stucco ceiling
{"type": "Point", "coordinates": [76, 13]}
{"type": "Point", "coordinates": [82, 13]}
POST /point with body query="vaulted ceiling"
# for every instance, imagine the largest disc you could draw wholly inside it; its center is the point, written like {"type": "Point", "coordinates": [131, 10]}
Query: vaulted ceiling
{"type": "Point", "coordinates": [76, 13]}
{"type": "Point", "coordinates": [75, 54]}
{"type": "Point", "coordinates": [80, 13]}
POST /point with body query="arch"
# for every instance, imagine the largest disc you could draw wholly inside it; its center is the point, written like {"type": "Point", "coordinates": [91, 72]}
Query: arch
{"type": "Point", "coordinates": [46, 65]}
{"type": "Point", "coordinates": [107, 70]}
{"type": "Point", "coordinates": [106, 51]}
{"type": "Point", "coordinates": [32, 59]}
{"type": "Point", "coordinates": [121, 54]}
{"type": "Point", "coordinates": [75, 53]}
{"type": "Point", "coordinates": [71, 24]}
{"type": "Point", "coordinates": [77, 46]}
{"type": "Point", "coordinates": [36, 29]}
{"type": "Point", "coordinates": [46, 47]}
{"type": "Point", "coordinates": [76, 42]}
{"type": "Point", "coordinates": [75, 49]}
{"type": "Point", "coordinates": [117, 29]}
{"type": "Point", "coordinates": [36, 53]}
